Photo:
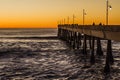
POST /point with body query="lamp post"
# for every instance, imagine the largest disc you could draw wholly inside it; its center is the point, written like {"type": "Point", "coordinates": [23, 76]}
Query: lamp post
{"type": "Point", "coordinates": [68, 19]}
{"type": "Point", "coordinates": [64, 21]}
{"type": "Point", "coordinates": [107, 10]}
{"type": "Point", "coordinates": [73, 18]}
{"type": "Point", "coordinates": [84, 13]}
{"type": "Point", "coordinates": [109, 57]}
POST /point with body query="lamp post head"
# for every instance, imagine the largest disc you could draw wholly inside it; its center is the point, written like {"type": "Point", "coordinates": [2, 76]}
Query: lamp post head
{"type": "Point", "coordinates": [84, 13]}
{"type": "Point", "coordinates": [110, 7]}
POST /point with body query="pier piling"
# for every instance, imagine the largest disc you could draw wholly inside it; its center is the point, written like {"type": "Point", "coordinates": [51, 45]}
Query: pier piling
{"type": "Point", "coordinates": [92, 58]}
{"type": "Point", "coordinates": [99, 51]}
{"type": "Point", "coordinates": [85, 45]}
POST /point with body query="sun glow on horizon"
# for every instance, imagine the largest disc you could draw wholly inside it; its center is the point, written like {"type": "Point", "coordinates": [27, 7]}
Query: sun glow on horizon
{"type": "Point", "coordinates": [46, 13]}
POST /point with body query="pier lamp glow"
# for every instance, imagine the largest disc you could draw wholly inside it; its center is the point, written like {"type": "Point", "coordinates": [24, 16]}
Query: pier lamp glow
{"type": "Point", "coordinates": [110, 7]}
{"type": "Point", "coordinates": [107, 10]}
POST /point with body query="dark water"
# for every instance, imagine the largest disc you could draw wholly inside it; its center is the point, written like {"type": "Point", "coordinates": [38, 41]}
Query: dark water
{"type": "Point", "coordinates": [49, 59]}
{"type": "Point", "coordinates": [27, 32]}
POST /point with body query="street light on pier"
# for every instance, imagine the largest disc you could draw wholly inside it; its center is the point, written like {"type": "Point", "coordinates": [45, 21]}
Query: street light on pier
{"type": "Point", "coordinates": [107, 10]}
{"type": "Point", "coordinates": [64, 20]}
{"type": "Point", "coordinates": [73, 18]}
{"type": "Point", "coordinates": [68, 20]}
{"type": "Point", "coordinates": [84, 13]}
{"type": "Point", "coordinates": [109, 58]}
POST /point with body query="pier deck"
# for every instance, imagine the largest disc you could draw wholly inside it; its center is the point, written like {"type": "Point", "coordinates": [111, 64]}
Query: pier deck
{"type": "Point", "coordinates": [110, 32]}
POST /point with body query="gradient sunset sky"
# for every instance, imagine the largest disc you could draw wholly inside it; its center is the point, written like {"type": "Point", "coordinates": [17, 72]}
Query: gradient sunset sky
{"type": "Point", "coordinates": [46, 13]}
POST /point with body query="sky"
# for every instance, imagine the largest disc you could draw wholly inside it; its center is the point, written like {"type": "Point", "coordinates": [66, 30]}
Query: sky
{"type": "Point", "coordinates": [47, 13]}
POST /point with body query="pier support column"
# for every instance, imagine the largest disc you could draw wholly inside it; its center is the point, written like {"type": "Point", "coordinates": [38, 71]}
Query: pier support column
{"type": "Point", "coordinates": [92, 58]}
{"type": "Point", "coordinates": [90, 44]}
{"type": "Point", "coordinates": [77, 43]}
{"type": "Point", "coordinates": [99, 51]}
{"type": "Point", "coordinates": [70, 38]}
{"type": "Point", "coordinates": [58, 33]}
{"type": "Point", "coordinates": [85, 45]}
{"type": "Point", "coordinates": [62, 34]}
{"type": "Point", "coordinates": [109, 50]}
{"type": "Point", "coordinates": [73, 46]}
{"type": "Point", "coordinates": [66, 32]}
{"type": "Point", "coordinates": [74, 40]}
{"type": "Point", "coordinates": [109, 58]}
{"type": "Point", "coordinates": [65, 35]}
{"type": "Point", "coordinates": [78, 40]}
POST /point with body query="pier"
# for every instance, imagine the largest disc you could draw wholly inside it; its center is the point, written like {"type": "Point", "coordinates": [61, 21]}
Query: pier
{"type": "Point", "coordinates": [78, 37]}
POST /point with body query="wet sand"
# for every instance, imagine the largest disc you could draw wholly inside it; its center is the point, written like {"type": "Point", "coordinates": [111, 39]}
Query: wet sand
{"type": "Point", "coordinates": [52, 59]}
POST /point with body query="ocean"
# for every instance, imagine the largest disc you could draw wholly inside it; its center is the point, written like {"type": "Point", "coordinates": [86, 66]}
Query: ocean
{"type": "Point", "coordinates": [37, 54]}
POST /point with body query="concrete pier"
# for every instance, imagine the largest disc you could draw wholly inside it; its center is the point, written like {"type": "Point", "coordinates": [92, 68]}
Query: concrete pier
{"type": "Point", "coordinates": [73, 35]}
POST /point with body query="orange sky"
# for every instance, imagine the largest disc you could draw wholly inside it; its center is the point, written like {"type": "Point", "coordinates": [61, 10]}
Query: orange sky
{"type": "Point", "coordinates": [46, 13]}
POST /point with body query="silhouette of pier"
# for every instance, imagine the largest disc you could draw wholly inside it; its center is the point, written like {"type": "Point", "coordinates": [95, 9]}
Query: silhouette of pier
{"type": "Point", "coordinates": [77, 37]}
